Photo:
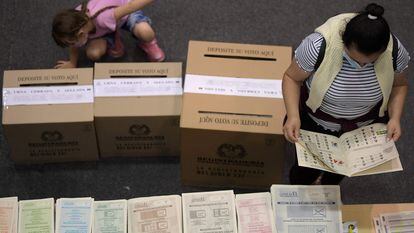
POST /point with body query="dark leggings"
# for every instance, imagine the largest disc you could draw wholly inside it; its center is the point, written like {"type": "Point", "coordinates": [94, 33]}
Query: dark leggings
{"type": "Point", "coordinates": [306, 176]}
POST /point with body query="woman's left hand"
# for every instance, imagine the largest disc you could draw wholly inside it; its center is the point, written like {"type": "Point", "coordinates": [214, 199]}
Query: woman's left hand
{"type": "Point", "coordinates": [393, 129]}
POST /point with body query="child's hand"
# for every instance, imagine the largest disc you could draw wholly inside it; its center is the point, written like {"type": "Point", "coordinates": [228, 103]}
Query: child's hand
{"type": "Point", "coordinates": [64, 65]}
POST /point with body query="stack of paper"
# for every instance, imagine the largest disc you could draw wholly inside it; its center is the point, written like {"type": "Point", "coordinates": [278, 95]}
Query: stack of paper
{"type": "Point", "coordinates": [74, 215]}
{"type": "Point", "coordinates": [300, 208]}
{"type": "Point", "coordinates": [36, 216]}
{"type": "Point", "coordinates": [399, 222]}
{"type": "Point", "coordinates": [110, 216]}
{"type": "Point", "coordinates": [155, 214]}
{"type": "Point", "coordinates": [254, 213]}
{"type": "Point", "coordinates": [8, 214]}
{"type": "Point", "coordinates": [209, 212]}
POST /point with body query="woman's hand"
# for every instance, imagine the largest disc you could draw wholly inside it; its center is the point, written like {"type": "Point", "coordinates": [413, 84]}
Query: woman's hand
{"type": "Point", "coordinates": [393, 129]}
{"type": "Point", "coordinates": [291, 129]}
{"type": "Point", "coordinates": [64, 65]}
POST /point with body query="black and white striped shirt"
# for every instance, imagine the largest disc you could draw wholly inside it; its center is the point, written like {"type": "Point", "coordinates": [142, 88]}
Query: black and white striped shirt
{"type": "Point", "coordinates": [354, 92]}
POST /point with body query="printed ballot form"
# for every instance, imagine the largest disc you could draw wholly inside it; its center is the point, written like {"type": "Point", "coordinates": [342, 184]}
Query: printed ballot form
{"type": "Point", "coordinates": [310, 209]}
{"type": "Point", "coordinates": [74, 215]}
{"type": "Point", "coordinates": [209, 212]}
{"type": "Point", "coordinates": [110, 216]}
{"type": "Point", "coordinates": [36, 215]}
{"type": "Point", "coordinates": [158, 214]}
{"type": "Point", "coordinates": [350, 154]}
{"type": "Point", "coordinates": [254, 213]}
{"type": "Point", "coordinates": [8, 214]}
{"type": "Point", "coordinates": [399, 222]}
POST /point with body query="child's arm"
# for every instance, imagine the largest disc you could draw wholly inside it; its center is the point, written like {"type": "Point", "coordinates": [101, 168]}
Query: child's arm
{"type": "Point", "coordinates": [73, 59]}
{"type": "Point", "coordinates": [130, 7]}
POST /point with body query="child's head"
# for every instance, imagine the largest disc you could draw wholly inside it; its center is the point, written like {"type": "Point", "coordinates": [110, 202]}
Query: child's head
{"type": "Point", "coordinates": [69, 27]}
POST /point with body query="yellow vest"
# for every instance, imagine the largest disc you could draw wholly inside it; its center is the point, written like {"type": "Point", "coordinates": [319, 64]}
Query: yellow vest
{"type": "Point", "coordinates": [332, 31]}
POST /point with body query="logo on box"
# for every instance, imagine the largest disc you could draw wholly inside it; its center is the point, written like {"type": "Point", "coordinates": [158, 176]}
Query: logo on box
{"type": "Point", "coordinates": [139, 130]}
{"type": "Point", "coordinates": [51, 136]}
{"type": "Point", "coordinates": [231, 151]}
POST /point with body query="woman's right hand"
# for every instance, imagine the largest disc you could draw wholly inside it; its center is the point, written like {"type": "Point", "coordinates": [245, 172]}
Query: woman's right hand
{"type": "Point", "coordinates": [64, 65]}
{"type": "Point", "coordinates": [291, 129]}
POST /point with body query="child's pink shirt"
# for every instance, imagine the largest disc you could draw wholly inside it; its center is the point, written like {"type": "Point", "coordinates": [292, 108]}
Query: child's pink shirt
{"type": "Point", "coordinates": [105, 22]}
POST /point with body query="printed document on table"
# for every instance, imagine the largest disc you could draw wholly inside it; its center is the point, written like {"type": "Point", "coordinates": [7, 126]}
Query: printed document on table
{"type": "Point", "coordinates": [74, 215]}
{"type": "Point", "coordinates": [36, 216]}
{"type": "Point", "coordinates": [311, 209]}
{"type": "Point", "coordinates": [401, 222]}
{"type": "Point", "coordinates": [110, 216]}
{"type": "Point", "coordinates": [254, 213]}
{"type": "Point", "coordinates": [354, 152]}
{"type": "Point", "coordinates": [209, 212]}
{"type": "Point", "coordinates": [8, 214]}
{"type": "Point", "coordinates": [158, 214]}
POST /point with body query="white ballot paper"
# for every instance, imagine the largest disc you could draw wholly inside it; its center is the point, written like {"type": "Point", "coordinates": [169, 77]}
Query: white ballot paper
{"type": "Point", "coordinates": [310, 209]}
{"type": "Point", "coordinates": [8, 214]}
{"type": "Point", "coordinates": [401, 222]}
{"type": "Point", "coordinates": [74, 215]}
{"type": "Point", "coordinates": [209, 212]}
{"type": "Point", "coordinates": [158, 214]}
{"type": "Point", "coordinates": [254, 213]}
{"type": "Point", "coordinates": [110, 216]}
{"type": "Point", "coordinates": [354, 152]}
{"type": "Point", "coordinates": [36, 216]}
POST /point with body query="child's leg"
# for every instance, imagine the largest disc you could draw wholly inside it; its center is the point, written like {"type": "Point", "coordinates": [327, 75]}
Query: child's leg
{"type": "Point", "coordinates": [96, 49]}
{"type": "Point", "coordinates": [144, 32]}
{"type": "Point", "coordinates": [140, 27]}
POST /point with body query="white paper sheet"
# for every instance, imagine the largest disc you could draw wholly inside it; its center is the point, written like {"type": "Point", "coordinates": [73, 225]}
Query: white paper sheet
{"type": "Point", "coordinates": [310, 209]}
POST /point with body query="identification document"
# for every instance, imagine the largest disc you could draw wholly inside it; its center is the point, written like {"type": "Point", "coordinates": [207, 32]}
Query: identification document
{"type": "Point", "coordinates": [352, 154]}
{"type": "Point", "coordinates": [310, 209]}
{"type": "Point", "coordinates": [8, 214]}
{"type": "Point", "coordinates": [110, 216]}
{"type": "Point", "coordinates": [74, 215]}
{"type": "Point", "coordinates": [158, 214]}
{"type": "Point", "coordinates": [209, 212]}
{"type": "Point", "coordinates": [36, 216]}
{"type": "Point", "coordinates": [254, 213]}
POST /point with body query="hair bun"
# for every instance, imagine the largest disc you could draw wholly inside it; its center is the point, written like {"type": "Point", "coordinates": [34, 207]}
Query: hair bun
{"type": "Point", "coordinates": [374, 9]}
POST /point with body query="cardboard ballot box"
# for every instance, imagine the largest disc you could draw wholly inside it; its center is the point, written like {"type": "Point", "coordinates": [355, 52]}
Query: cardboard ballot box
{"type": "Point", "coordinates": [137, 108]}
{"type": "Point", "coordinates": [48, 115]}
{"type": "Point", "coordinates": [233, 110]}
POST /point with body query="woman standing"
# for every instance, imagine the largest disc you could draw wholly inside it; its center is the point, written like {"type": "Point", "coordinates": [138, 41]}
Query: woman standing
{"type": "Point", "coordinates": [349, 73]}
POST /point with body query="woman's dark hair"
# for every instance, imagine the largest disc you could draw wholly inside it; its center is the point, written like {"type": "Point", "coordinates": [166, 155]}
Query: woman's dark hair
{"type": "Point", "coordinates": [368, 32]}
{"type": "Point", "coordinates": [67, 24]}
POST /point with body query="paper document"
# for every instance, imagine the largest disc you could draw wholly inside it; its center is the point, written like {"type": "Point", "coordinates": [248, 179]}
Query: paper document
{"type": "Point", "coordinates": [74, 215]}
{"type": "Point", "coordinates": [401, 222]}
{"type": "Point", "coordinates": [209, 212]}
{"type": "Point", "coordinates": [36, 216]}
{"type": "Point", "coordinates": [310, 209]}
{"type": "Point", "coordinates": [159, 214]}
{"type": "Point", "coordinates": [8, 214]}
{"type": "Point", "coordinates": [254, 213]}
{"type": "Point", "coordinates": [110, 216]}
{"type": "Point", "coordinates": [352, 153]}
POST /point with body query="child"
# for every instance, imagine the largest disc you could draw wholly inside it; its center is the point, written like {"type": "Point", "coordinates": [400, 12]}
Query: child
{"type": "Point", "coordinates": [96, 24]}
